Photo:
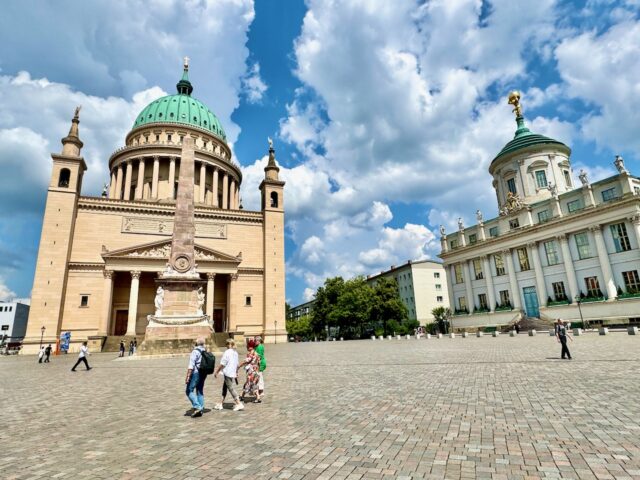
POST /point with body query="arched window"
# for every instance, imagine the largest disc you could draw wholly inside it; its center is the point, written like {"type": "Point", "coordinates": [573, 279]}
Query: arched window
{"type": "Point", "coordinates": [274, 199]}
{"type": "Point", "coordinates": [63, 179]}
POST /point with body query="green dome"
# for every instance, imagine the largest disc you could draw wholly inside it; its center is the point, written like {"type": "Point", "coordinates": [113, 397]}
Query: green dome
{"type": "Point", "coordinates": [181, 108]}
{"type": "Point", "coordinates": [525, 138]}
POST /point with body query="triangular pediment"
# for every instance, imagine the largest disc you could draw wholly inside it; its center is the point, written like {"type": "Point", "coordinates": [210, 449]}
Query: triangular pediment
{"type": "Point", "coordinates": [162, 250]}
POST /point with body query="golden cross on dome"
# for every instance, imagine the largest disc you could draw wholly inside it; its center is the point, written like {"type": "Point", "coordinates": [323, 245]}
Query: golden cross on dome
{"type": "Point", "coordinates": [514, 99]}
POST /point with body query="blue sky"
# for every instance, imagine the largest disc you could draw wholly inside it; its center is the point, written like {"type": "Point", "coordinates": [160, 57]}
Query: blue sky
{"type": "Point", "coordinates": [385, 115]}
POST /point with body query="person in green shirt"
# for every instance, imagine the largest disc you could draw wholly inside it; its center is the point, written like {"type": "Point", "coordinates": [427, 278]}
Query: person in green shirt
{"type": "Point", "coordinates": [263, 366]}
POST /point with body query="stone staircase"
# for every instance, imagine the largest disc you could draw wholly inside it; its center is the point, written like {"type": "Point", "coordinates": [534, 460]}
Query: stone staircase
{"type": "Point", "coordinates": [112, 343]}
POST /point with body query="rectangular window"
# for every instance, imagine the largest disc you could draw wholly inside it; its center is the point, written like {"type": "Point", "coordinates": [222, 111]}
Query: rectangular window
{"type": "Point", "coordinates": [511, 185]}
{"type": "Point", "coordinates": [504, 297]}
{"type": "Point", "coordinates": [438, 286]}
{"type": "Point", "coordinates": [247, 301]}
{"type": "Point", "coordinates": [477, 269]}
{"type": "Point", "coordinates": [544, 216]}
{"type": "Point", "coordinates": [84, 300]}
{"type": "Point", "coordinates": [458, 272]}
{"type": "Point", "coordinates": [473, 238]}
{"type": "Point", "coordinates": [552, 253]}
{"type": "Point", "coordinates": [497, 258]}
{"type": "Point", "coordinates": [574, 206]}
{"type": "Point", "coordinates": [620, 237]}
{"type": "Point", "coordinates": [541, 179]}
{"type": "Point", "coordinates": [5, 327]}
{"type": "Point", "coordinates": [454, 244]}
{"type": "Point", "coordinates": [493, 232]}
{"type": "Point", "coordinates": [436, 275]}
{"type": "Point", "coordinates": [567, 177]}
{"type": "Point", "coordinates": [582, 242]}
{"type": "Point", "coordinates": [523, 259]}
{"type": "Point", "coordinates": [515, 223]}
{"type": "Point", "coordinates": [593, 287]}
{"type": "Point", "coordinates": [439, 299]}
{"type": "Point", "coordinates": [609, 194]}
{"type": "Point", "coordinates": [482, 299]}
{"type": "Point", "coordinates": [559, 293]}
{"type": "Point", "coordinates": [462, 303]}
{"type": "Point", "coordinates": [631, 281]}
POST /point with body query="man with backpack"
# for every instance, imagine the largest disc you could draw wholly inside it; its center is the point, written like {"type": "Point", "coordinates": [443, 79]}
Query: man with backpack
{"type": "Point", "coordinates": [201, 364]}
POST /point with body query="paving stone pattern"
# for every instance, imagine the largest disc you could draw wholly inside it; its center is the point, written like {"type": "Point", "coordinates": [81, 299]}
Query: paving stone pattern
{"type": "Point", "coordinates": [463, 408]}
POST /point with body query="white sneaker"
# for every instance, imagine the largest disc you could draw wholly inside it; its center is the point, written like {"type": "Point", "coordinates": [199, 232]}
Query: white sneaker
{"type": "Point", "coordinates": [238, 406]}
{"type": "Point", "coordinates": [218, 407]}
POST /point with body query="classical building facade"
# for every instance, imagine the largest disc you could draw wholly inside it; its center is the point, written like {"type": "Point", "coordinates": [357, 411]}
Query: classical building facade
{"type": "Point", "coordinates": [555, 250]}
{"type": "Point", "coordinates": [99, 257]}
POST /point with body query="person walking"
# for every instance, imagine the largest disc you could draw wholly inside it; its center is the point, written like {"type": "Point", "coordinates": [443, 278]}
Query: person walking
{"type": "Point", "coordinates": [82, 357]}
{"type": "Point", "coordinates": [41, 354]}
{"type": "Point", "coordinates": [135, 345]}
{"type": "Point", "coordinates": [263, 365]}
{"type": "Point", "coordinates": [251, 366]}
{"type": "Point", "coordinates": [121, 348]}
{"type": "Point", "coordinates": [229, 367]}
{"type": "Point", "coordinates": [561, 335]}
{"type": "Point", "coordinates": [131, 348]}
{"type": "Point", "coordinates": [47, 353]}
{"type": "Point", "coordinates": [196, 376]}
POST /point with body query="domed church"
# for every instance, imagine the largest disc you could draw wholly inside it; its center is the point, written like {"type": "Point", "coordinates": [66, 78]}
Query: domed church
{"type": "Point", "coordinates": [556, 249]}
{"type": "Point", "coordinates": [101, 259]}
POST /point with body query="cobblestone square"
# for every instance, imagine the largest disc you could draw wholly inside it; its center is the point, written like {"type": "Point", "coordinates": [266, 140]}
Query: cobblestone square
{"type": "Point", "coordinates": [500, 408]}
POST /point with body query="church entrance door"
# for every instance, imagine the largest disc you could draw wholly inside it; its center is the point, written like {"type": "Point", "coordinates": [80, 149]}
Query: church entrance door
{"type": "Point", "coordinates": [122, 317]}
{"type": "Point", "coordinates": [217, 320]}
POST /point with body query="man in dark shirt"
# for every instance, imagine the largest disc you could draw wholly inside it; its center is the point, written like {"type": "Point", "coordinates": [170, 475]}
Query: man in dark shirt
{"type": "Point", "coordinates": [561, 335]}
{"type": "Point", "coordinates": [47, 353]}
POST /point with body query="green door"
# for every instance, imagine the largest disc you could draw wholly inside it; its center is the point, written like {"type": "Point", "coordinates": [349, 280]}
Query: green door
{"type": "Point", "coordinates": [531, 304]}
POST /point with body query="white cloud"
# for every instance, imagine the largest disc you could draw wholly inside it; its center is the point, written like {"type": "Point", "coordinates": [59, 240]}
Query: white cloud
{"type": "Point", "coordinates": [6, 293]}
{"type": "Point", "coordinates": [309, 294]}
{"type": "Point", "coordinates": [254, 87]}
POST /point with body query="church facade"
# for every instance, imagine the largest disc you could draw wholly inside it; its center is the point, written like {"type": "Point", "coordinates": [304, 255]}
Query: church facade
{"type": "Point", "coordinates": [99, 257]}
{"type": "Point", "coordinates": [556, 250]}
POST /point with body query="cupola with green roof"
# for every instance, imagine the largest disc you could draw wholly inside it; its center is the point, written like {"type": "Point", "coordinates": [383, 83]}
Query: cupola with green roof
{"type": "Point", "coordinates": [181, 108]}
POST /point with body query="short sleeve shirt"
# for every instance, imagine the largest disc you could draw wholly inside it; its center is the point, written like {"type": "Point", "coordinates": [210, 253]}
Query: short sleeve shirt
{"type": "Point", "coordinates": [263, 360]}
{"type": "Point", "coordinates": [229, 361]}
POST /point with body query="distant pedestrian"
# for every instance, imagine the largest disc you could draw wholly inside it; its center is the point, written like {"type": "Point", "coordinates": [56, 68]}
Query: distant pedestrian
{"type": "Point", "coordinates": [121, 348]}
{"type": "Point", "coordinates": [41, 354]}
{"type": "Point", "coordinates": [201, 363]}
{"type": "Point", "coordinates": [131, 348]}
{"type": "Point", "coordinates": [229, 367]}
{"type": "Point", "coordinates": [47, 353]}
{"type": "Point", "coordinates": [263, 365]}
{"type": "Point", "coordinates": [251, 366]}
{"type": "Point", "coordinates": [517, 327]}
{"type": "Point", "coordinates": [135, 345]}
{"type": "Point", "coordinates": [82, 357]}
{"type": "Point", "coordinates": [562, 334]}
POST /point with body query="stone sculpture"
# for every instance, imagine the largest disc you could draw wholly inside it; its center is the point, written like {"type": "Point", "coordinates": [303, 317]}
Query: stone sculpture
{"type": "Point", "coordinates": [619, 163]}
{"type": "Point", "coordinates": [583, 178]}
{"type": "Point", "coordinates": [159, 300]}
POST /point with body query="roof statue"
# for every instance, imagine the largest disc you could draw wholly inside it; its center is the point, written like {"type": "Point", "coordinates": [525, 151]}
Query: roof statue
{"type": "Point", "coordinates": [553, 189]}
{"type": "Point", "coordinates": [460, 224]}
{"type": "Point", "coordinates": [619, 163]}
{"type": "Point", "coordinates": [479, 216]}
{"type": "Point", "coordinates": [270, 143]}
{"type": "Point", "coordinates": [443, 232]}
{"type": "Point", "coordinates": [583, 178]}
{"type": "Point", "coordinates": [76, 114]}
{"type": "Point", "coordinates": [512, 205]}
{"type": "Point", "coordinates": [514, 99]}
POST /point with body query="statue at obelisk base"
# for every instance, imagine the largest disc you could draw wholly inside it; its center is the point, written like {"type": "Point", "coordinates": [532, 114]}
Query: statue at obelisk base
{"type": "Point", "coordinates": [179, 296]}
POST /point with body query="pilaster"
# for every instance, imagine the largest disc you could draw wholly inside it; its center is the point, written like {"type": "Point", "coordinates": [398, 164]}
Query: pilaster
{"type": "Point", "coordinates": [568, 267]}
{"type": "Point", "coordinates": [605, 265]}
{"type": "Point", "coordinates": [537, 267]}
{"type": "Point", "coordinates": [513, 281]}
{"type": "Point", "coordinates": [133, 303]}
{"type": "Point", "coordinates": [488, 276]}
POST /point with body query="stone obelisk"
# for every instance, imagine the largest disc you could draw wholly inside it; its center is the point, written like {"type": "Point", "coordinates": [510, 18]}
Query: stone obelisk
{"type": "Point", "coordinates": [179, 302]}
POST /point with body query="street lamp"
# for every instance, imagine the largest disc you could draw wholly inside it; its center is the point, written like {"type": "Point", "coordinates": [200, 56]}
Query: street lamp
{"type": "Point", "coordinates": [42, 334]}
{"type": "Point", "coordinates": [276, 336]}
{"type": "Point", "coordinates": [578, 301]}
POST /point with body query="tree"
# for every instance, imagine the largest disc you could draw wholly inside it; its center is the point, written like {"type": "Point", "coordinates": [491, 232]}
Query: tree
{"type": "Point", "coordinates": [326, 300]}
{"type": "Point", "coordinates": [387, 304]}
{"type": "Point", "coordinates": [441, 316]}
{"type": "Point", "coordinates": [300, 327]}
{"type": "Point", "coordinates": [352, 311]}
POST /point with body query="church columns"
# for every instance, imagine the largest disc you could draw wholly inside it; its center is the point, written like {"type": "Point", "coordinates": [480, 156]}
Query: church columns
{"type": "Point", "coordinates": [605, 265]}
{"type": "Point", "coordinates": [211, 278]}
{"type": "Point", "coordinates": [172, 178]}
{"type": "Point", "coordinates": [450, 275]}
{"type": "Point", "coordinates": [214, 188]}
{"type": "Point", "coordinates": [513, 281]}
{"type": "Point", "coordinates": [140, 182]}
{"type": "Point", "coordinates": [471, 304]}
{"type": "Point", "coordinates": [232, 195]}
{"type": "Point", "coordinates": [488, 277]}
{"type": "Point", "coordinates": [203, 178]}
{"type": "Point", "coordinates": [133, 303]}
{"type": "Point", "coordinates": [225, 190]}
{"type": "Point", "coordinates": [118, 194]}
{"type": "Point", "coordinates": [231, 302]}
{"type": "Point", "coordinates": [537, 267]}
{"type": "Point", "coordinates": [107, 294]}
{"type": "Point", "coordinates": [568, 267]}
{"type": "Point", "coordinates": [112, 185]}
{"type": "Point", "coordinates": [156, 173]}
{"type": "Point", "coordinates": [127, 181]}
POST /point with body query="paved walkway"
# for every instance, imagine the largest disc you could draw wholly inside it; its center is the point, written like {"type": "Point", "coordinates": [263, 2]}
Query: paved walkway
{"type": "Point", "coordinates": [501, 408]}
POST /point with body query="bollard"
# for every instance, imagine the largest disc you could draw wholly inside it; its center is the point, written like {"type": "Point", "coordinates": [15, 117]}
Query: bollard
{"type": "Point", "coordinates": [577, 332]}
{"type": "Point", "coordinates": [632, 330]}
{"type": "Point", "coordinates": [552, 333]}
{"type": "Point", "coordinates": [373, 337]}
{"type": "Point", "coordinates": [381, 337]}
{"type": "Point", "coordinates": [342, 339]}
{"type": "Point", "coordinates": [428, 336]}
{"type": "Point", "coordinates": [388, 337]}
{"type": "Point", "coordinates": [439, 335]}
{"type": "Point", "coordinates": [603, 331]}
{"type": "Point", "coordinates": [495, 333]}
{"type": "Point", "coordinates": [512, 333]}
{"type": "Point", "coordinates": [408, 337]}
{"type": "Point", "coordinates": [532, 333]}
{"type": "Point", "coordinates": [465, 334]}
{"type": "Point", "coordinates": [397, 337]}
{"type": "Point", "coordinates": [452, 335]}
{"type": "Point", "coordinates": [479, 333]}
